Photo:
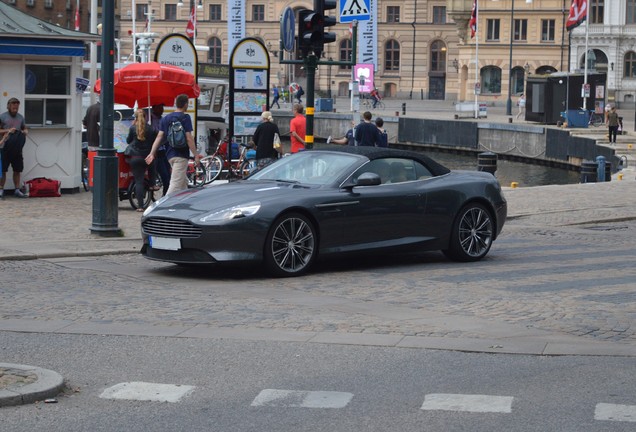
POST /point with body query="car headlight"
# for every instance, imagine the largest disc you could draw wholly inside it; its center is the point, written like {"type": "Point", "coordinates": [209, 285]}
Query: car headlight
{"type": "Point", "coordinates": [154, 204]}
{"type": "Point", "coordinates": [238, 211]}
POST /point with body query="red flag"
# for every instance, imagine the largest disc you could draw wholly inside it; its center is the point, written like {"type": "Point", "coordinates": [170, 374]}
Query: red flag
{"type": "Point", "coordinates": [192, 24]}
{"type": "Point", "coordinates": [578, 14]}
{"type": "Point", "coordinates": [473, 20]}
{"type": "Point", "coordinates": [77, 19]}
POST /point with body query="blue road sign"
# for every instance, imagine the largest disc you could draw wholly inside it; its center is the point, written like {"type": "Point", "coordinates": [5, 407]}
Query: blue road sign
{"type": "Point", "coordinates": [351, 10]}
{"type": "Point", "coordinates": [288, 29]}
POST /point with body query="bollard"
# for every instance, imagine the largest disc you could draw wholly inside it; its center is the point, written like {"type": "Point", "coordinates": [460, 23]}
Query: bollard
{"type": "Point", "coordinates": [403, 108]}
{"type": "Point", "coordinates": [600, 169]}
{"type": "Point", "coordinates": [588, 172]}
{"type": "Point", "coordinates": [487, 162]}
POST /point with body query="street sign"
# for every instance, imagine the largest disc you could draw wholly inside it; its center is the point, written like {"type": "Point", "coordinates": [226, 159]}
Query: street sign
{"type": "Point", "coordinates": [477, 88]}
{"type": "Point", "coordinates": [288, 29]}
{"type": "Point", "coordinates": [352, 10]}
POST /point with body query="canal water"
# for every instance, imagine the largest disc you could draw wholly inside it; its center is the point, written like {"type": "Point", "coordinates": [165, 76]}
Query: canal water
{"type": "Point", "coordinates": [524, 174]}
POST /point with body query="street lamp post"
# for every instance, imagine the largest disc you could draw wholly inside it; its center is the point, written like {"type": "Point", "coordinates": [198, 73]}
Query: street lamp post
{"type": "Point", "coordinates": [512, 31]}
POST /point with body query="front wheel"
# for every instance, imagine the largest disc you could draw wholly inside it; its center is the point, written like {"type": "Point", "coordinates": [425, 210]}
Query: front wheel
{"type": "Point", "coordinates": [247, 167]}
{"type": "Point", "coordinates": [195, 174]}
{"type": "Point", "coordinates": [472, 234]}
{"type": "Point", "coordinates": [214, 167]}
{"type": "Point", "coordinates": [291, 246]}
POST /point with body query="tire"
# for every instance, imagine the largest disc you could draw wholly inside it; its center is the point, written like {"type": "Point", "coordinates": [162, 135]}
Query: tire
{"type": "Point", "coordinates": [85, 174]}
{"type": "Point", "coordinates": [149, 196]}
{"type": "Point", "coordinates": [291, 246]}
{"type": "Point", "coordinates": [246, 168]}
{"type": "Point", "coordinates": [214, 167]}
{"type": "Point", "coordinates": [196, 175]}
{"type": "Point", "coordinates": [472, 234]}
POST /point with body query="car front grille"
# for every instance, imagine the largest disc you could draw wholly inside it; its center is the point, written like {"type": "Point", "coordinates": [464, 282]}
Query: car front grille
{"type": "Point", "coordinates": [165, 227]}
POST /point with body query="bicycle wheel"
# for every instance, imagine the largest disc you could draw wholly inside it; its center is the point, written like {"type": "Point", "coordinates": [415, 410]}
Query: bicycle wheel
{"type": "Point", "coordinates": [132, 195]}
{"type": "Point", "coordinates": [247, 167]}
{"type": "Point", "coordinates": [85, 173]}
{"type": "Point", "coordinates": [214, 167]}
{"type": "Point", "coordinates": [195, 174]}
{"type": "Point", "coordinates": [597, 119]}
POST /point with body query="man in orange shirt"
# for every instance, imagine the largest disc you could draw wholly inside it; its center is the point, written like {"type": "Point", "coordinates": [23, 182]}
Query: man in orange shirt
{"type": "Point", "coordinates": [297, 128]}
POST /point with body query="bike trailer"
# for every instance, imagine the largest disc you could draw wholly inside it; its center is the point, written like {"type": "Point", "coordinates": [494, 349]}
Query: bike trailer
{"type": "Point", "coordinates": [44, 187]}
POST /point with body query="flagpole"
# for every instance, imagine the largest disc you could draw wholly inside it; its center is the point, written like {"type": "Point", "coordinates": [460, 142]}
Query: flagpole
{"type": "Point", "coordinates": [476, 59]}
{"type": "Point", "coordinates": [134, 31]}
{"type": "Point", "coordinates": [585, 74]}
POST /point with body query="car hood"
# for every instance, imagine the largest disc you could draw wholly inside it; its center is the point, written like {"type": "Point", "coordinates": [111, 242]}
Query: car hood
{"type": "Point", "coordinates": [217, 197]}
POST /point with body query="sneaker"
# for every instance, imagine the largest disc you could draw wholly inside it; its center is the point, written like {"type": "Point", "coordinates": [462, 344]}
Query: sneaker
{"type": "Point", "coordinates": [18, 193]}
{"type": "Point", "coordinates": [329, 139]}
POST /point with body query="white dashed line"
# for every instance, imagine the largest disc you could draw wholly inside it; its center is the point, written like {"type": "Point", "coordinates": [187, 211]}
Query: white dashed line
{"type": "Point", "coordinates": [613, 412]}
{"type": "Point", "coordinates": [302, 399]}
{"type": "Point", "coordinates": [142, 391]}
{"type": "Point", "coordinates": [469, 403]}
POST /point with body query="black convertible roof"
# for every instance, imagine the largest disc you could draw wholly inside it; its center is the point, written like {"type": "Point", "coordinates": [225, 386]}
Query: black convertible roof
{"type": "Point", "coordinates": [385, 152]}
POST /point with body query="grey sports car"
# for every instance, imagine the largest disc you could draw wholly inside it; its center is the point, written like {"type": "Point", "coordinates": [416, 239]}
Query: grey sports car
{"type": "Point", "coordinates": [318, 203]}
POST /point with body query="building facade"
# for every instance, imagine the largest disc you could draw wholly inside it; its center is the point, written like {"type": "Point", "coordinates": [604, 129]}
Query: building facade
{"type": "Point", "coordinates": [57, 12]}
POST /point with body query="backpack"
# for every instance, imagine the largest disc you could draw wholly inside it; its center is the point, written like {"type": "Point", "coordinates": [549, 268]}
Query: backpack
{"type": "Point", "coordinates": [177, 136]}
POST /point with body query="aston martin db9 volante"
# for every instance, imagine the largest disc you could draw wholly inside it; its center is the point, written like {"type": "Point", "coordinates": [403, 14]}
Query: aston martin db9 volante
{"type": "Point", "coordinates": [319, 203]}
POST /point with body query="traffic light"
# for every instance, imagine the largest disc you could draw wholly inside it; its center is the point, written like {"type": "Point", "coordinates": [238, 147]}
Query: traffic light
{"type": "Point", "coordinates": [321, 6]}
{"type": "Point", "coordinates": [311, 27]}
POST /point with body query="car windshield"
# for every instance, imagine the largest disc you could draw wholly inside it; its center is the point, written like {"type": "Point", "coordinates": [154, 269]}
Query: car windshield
{"type": "Point", "coordinates": [310, 167]}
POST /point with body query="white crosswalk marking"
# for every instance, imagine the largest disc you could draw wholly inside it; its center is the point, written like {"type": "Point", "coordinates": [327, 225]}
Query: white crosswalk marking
{"type": "Point", "coordinates": [302, 399]}
{"type": "Point", "coordinates": [469, 403]}
{"type": "Point", "coordinates": [605, 411]}
{"type": "Point", "coordinates": [143, 391]}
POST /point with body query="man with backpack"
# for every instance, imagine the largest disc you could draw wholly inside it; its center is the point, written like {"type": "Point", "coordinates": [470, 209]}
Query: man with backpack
{"type": "Point", "coordinates": [176, 127]}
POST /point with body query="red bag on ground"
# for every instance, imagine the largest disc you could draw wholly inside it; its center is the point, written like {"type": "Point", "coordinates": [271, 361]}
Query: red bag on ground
{"type": "Point", "coordinates": [44, 187]}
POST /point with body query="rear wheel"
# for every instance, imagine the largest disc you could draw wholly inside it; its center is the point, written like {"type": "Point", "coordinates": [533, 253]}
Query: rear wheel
{"type": "Point", "coordinates": [291, 245]}
{"type": "Point", "coordinates": [195, 174]}
{"type": "Point", "coordinates": [247, 167]}
{"type": "Point", "coordinates": [132, 195]}
{"type": "Point", "coordinates": [472, 234]}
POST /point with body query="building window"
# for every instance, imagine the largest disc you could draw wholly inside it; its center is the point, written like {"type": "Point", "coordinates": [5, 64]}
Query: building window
{"type": "Point", "coordinates": [521, 30]}
{"type": "Point", "coordinates": [345, 53]}
{"type": "Point", "coordinates": [215, 12]}
{"type": "Point", "coordinates": [630, 65]}
{"type": "Point", "coordinates": [48, 4]}
{"type": "Point", "coordinates": [630, 15]}
{"type": "Point", "coordinates": [170, 12]}
{"type": "Point", "coordinates": [596, 11]}
{"type": "Point", "coordinates": [491, 80]}
{"type": "Point", "coordinates": [492, 30]}
{"type": "Point", "coordinates": [140, 11]}
{"type": "Point", "coordinates": [438, 56]}
{"type": "Point", "coordinates": [439, 14]}
{"type": "Point", "coordinates": [392, 56]}
{"type": "Point", "coordinates": [46, 102]}
{"type": "Point", "coordinates": [214, 54]}
{"type": "Point", "coordinates": [30, 3]}
{"type": "Point", "coordinates": [258, 12]}
{"type": "Point", "coordinates": [392, 14]}
{"type": "Point", "coordinates": [518, 80]}
{"type": "Point", "coordinates": [548, 29]}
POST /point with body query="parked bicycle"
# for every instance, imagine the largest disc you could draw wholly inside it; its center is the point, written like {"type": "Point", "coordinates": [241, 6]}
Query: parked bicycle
{"type": "Point", "coordinates": [596, 119]}
{"type": "Point", "coordinates": [242, 163]}
{"type": "Point", "coordinates": [85, 166]}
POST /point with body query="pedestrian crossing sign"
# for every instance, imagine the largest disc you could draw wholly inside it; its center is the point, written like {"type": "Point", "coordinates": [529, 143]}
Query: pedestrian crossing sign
{"type": "Point", "coordinates": [351, 10]}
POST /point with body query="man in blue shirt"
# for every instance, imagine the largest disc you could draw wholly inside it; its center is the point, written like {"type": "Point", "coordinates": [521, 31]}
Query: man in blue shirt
{"type": "Point", "coordinates": [276, 94]}
{"type": "Point", "coordinates": [178, 158]}
{"type": "Point", "coordinates": [367, 133]}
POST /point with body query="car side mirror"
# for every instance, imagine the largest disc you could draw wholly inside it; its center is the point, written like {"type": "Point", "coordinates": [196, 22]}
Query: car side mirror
{"type": "Point", "coordinates": [368, 179]}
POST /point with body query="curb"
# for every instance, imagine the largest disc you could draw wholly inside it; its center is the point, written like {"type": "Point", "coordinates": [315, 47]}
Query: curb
{"type": "Point", "coordinates": [47, 384]}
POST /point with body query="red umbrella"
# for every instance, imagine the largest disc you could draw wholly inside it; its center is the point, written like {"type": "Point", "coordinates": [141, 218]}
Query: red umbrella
{"type": "Point", "coordinates": [151, 83]}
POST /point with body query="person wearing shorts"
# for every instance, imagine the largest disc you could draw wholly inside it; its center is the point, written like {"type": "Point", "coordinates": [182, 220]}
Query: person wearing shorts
{"type": "Point", "coordinates": [12, 123]}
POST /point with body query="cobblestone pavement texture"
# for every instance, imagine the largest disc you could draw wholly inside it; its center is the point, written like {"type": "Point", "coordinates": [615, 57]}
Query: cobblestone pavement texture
{"type": "Point", "coordinates": [562, 268]}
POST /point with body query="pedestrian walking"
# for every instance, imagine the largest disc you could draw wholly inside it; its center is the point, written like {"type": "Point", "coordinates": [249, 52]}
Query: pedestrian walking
{"type": "Point", "coordinates": [12, 123]}
{"type": "Point", "coordinates": [299, 93]}
{"type": "Point", "coordinates": [297, 129]}
{"type": "Point", "coordinates": [162, 166]}
{"type": "Point", "coordinates": [367, 133]}
{"type": "Point", "coordinates": [612, 124]}
{"type": "Point", "coordinates": [263, 139]}
{"type": "Point", "coordinates": [178, 157]}
{"type": "Point", "coordinates": [140, 138]}
{"type": "Point", "coordinates": [276, 95]}
{"type": "Point", "coordinates": [521, 103]}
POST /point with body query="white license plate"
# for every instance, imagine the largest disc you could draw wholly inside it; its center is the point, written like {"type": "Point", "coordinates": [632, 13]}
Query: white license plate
{"type": "Point", "coordinates": [165, 243]}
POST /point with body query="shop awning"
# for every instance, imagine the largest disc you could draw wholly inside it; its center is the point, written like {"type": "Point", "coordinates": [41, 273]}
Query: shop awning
{"type": "Point", "coordinates": [48, 47]}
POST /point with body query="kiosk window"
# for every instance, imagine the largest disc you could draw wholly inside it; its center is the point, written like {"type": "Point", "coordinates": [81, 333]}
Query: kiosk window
{"type": "Point", "coordinates": [47, 94]}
